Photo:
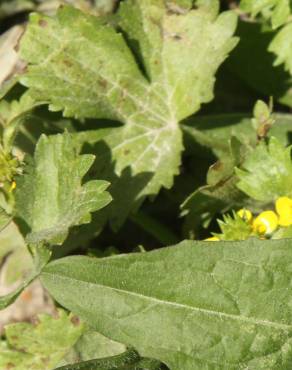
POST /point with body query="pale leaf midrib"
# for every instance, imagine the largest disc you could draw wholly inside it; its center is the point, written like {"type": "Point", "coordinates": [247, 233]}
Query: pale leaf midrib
{"type": "Point", "coordinates": [219, 314]}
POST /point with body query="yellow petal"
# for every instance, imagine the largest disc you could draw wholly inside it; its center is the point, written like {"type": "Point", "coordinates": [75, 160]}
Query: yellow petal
{"type": "Point", "coordinates": [13, 186]}
{"type": "Point", "coordinates": [266, 223]}
{"type": "Point", "coordinates": [284, 210]}
{"type": "Point", "coordinates": [245, 214]}
{"type": "Point", "coordinates": [212, 239]}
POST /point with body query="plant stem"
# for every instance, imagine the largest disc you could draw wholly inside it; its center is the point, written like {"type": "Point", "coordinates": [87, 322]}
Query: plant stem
{"type": "Point", "coordinates": [155, 228]}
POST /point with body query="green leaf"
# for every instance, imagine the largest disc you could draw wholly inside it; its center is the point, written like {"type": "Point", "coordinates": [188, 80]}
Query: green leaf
{"type": "Point", "coordinates": [13, 114]}
{"type": "Point", "coordinates": [197, 305]}
{"type": "Point", "coordinates": [10, 240]}
{"type": "Point", "coordinates": [276, 10]}
{"type": "Point", "coordinates": [15, 259]}
{"type": "Point", "coordinates": [281, 13]}
{"type": "Point", "coordinates": [262, 112]}
{"type": "Point", "coordinates": [254, 64]}
{"type": "Point", "coordinates": [41, 256]}
{"type": "Point", "coordinates": [4, 219]}
{"type": "Point", "coordinates": [220, 194]}
{"type": "Point", "coordinates": [263, 118]}
{"type": "Point", "coordinates": [234, 227]}
{"type": "Point", "coordinates": [283, 233]}
{"type": "Point", "coordinates": [281, 46]}
{"type": "Point", "coordinates": [129, 360]}
{"type": "Point", "coordinates": [256, 6]}
{"type": "Point", "coordinates": [40, 346]}
{"type": "Point", "coordinates": [204, 203]}
{"type": "Point", "coordinates": [50, 197]}
{"type": "Point", "coordinates": [145, 152]}
{"type": "Point", "coordinates": [267, 172]}
{"type": "Point", "coordinates": [169, 41]}
{"type": "Point", "coordinates": [211, 7]}
{"type": "Point", "coordinates": [213, 133]}
{"type": "Point", "coordinates": [9, 8]}
{"type": "Point", "coordinates": [92, 345]}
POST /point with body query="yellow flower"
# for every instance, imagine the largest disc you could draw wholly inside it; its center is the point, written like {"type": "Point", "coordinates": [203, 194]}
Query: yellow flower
{"type": "Point", "coordinates": [265, 223]}
{"type": "Point", "coordinates": [13, 186]}
{"type": "Point", "coordinates": [245, 214]}
{"type": "Point", "coordinates": [284, 209]}
{"type": "Point", "coordinates": [212, 239]}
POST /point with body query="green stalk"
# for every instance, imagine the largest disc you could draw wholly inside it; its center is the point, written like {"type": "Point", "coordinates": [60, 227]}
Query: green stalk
{"type": "Point", "coordinates": [155, 228]}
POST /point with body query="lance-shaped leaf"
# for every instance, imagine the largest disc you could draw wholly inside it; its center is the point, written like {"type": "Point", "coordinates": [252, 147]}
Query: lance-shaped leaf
{"type": "Point", "coordinates": [50, 197]}
{"type": "Point", "coordinates": [198, 305]}
{"type": "Point", "coordinates": [86, 68]}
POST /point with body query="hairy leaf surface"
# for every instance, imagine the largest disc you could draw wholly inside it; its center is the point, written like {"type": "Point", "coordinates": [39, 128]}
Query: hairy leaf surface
{"type": "Point", "coordinates": [197, 305]}
{"type": "Point", "coordinates": [50, 197]}
{"type": "Point", "coordinates": [86, 68]}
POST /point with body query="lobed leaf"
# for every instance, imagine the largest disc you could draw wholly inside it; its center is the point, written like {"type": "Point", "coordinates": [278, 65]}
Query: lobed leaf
{"type": "Point", "coordinates": [215, 133]}
{"type": "Point", "coordinates": [281, 46]}
{"type": "Point", "coordinates": [69, 68]}
{"type": "Point", "coordinates": [276, 10]}
{"type": "Point", "coordinates": [40, 346]}
{"type": "Point", "coordinates": [254, 64]}
{"type": "Point", "coordinates": [51, 197]}
{"type": "Point", "coordinates": [234, 227]}
{"type": "Point", "coordinates": [267, 172]}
